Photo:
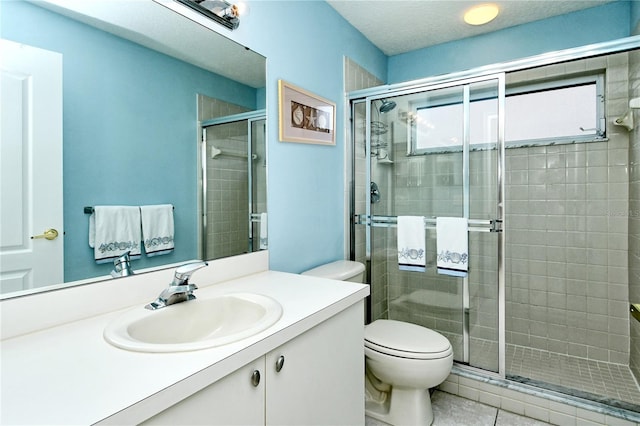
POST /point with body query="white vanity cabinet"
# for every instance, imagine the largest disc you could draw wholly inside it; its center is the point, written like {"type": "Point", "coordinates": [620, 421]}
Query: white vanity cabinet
{"type": "Point", "coordinates": [232, 400]}
{"type": "Point", "coordinates": [317, 378]}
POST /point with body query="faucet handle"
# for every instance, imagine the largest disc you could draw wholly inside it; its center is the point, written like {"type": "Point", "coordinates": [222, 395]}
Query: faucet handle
{"type": "Point", "coordinates": [184, 272]}
{"type": "Point", "coordinates": [122, 266]}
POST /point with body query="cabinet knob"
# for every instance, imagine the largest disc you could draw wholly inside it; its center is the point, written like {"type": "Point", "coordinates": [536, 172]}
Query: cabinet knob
{"type": "Point", "coordinates": [279, 363]}
{"type": "Point", "coordinates": [255, 378]}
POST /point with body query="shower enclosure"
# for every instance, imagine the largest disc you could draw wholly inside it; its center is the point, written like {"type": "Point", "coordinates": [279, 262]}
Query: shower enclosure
{"type": "Point", "coordinates": [531, 155]}
{"type": "Point", "coordinates": [233, 153]}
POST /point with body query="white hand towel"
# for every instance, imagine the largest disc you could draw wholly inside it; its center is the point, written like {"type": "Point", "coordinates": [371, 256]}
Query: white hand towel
{"type": "Point", "coordinates": [264, 241]}
{"type": "Point", "coordinates": [157, 229]}
{"type": "Point", "coordinates": [452, 240]}
{"type": "Point", "coordinates": [411, 243]}
{"type": "Point", "coordinates": [113, 231]}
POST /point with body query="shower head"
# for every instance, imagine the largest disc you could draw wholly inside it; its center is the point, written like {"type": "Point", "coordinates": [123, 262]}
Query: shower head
{"type": "Point", "coordinates": [386, 106]}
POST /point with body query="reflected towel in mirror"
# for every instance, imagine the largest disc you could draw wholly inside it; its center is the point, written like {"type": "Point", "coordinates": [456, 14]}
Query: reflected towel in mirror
{"type": "Point", "coordinates": [264, 242]}
{"type": "Point", "coordinates": [114, 230]}
{"type": "Point", "coordinates": [157, 229]}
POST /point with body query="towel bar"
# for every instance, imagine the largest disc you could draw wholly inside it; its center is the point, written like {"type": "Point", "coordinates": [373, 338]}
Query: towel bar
{"type": "Point", "coordinates": [90, 210]}
{"type": "Point", "coordinates": [477, 225]}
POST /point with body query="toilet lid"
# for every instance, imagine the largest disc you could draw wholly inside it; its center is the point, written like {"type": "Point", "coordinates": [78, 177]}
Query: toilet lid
{"type": "Point", "coordinates": [401, 336]}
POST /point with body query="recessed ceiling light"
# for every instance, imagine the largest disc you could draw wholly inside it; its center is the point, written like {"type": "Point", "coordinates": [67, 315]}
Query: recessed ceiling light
{"type": "Point", "coordinates": [481, 14]}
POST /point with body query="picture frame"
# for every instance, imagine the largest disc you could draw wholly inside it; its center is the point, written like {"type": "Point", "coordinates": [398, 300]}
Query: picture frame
{"type": "Point", "coordinates": [305, 117]}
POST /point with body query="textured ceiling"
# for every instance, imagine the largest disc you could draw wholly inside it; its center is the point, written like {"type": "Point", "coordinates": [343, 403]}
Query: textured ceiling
{"type": "Point", "coordinates": [398, 26]}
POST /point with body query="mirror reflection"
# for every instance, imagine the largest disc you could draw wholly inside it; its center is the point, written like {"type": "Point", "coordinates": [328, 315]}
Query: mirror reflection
{"type": "Point", "coordinates": [132, 99]}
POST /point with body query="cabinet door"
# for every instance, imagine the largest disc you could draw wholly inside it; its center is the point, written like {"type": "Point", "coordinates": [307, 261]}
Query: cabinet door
{"type": "Point", "coordinates": [232, 400]}
{"type": "Point", "coordinates": [321, 381]}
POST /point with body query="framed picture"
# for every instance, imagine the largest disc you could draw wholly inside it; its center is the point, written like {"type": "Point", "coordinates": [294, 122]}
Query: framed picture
{"type": "Point", "coordinates": [305, 117]}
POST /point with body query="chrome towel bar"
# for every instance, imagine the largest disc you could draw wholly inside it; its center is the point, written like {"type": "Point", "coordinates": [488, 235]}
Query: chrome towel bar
{"type": "Point", "coordinates": [475, 225]}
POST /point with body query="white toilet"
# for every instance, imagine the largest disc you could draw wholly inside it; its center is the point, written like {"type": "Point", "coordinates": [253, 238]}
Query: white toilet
{"type": "Point", "coordinates": [341, 270]}
{"type": "Point", "coordinates": [403, 360]}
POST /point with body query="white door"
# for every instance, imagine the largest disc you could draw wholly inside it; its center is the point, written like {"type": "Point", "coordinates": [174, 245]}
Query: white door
{"type": "Point", "coordinates": [30, 167]}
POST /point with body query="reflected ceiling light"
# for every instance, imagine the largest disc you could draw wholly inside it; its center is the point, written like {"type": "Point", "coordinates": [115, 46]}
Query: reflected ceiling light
{"type": "Point", "coordinates": [481, 14]}
{"type": "Point", "coordinates": [222, 12]}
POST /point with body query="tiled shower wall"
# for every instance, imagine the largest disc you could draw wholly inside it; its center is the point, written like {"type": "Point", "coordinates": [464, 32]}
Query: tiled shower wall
{"type": "Point", "coordinates": [566, 228]}
{"type": "Point", "coordinates": [227, 177]}
{"type": "Point", "coordinates": [357, 78]}
{"type": "Point", "coordinates": [634, 214]}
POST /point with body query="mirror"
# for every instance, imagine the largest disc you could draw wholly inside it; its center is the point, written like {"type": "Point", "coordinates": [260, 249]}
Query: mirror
{"type": "Point", "coordinates": [132, 75]}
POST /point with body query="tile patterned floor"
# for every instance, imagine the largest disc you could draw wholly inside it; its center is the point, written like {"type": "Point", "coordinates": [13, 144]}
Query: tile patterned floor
{"type": "Point", "coordinates": [452, 410]}
{"type": "Point", "coordinates": [610, 381]}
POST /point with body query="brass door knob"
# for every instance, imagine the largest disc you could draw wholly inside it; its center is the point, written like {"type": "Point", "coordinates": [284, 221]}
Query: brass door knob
{"type": "Point", "coordinates": [49, 234]}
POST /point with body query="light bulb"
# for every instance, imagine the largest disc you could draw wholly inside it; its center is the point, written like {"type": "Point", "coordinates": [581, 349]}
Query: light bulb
{"type": "Point", "coordinates": [481, 14]}
{"type": "Point", "coordinates": [242, 8]}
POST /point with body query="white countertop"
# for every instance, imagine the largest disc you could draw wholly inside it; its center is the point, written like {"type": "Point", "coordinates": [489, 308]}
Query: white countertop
{"type": "Point", "coordinates": [69, 374]}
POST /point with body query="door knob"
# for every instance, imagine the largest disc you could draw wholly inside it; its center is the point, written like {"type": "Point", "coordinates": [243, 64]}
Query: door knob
{"type": "Point", "coordinates": [49, 234]}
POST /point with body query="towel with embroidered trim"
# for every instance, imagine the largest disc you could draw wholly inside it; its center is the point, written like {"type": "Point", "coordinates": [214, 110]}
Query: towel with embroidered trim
{"type": "Point", "coordinates": [411, 243]}
{"type": "Point", "coordinates": [452, 241]}
{"type": "Point", "coordinates": [113, 231]}
{"type": "Point", "coordinates": [157, 229]}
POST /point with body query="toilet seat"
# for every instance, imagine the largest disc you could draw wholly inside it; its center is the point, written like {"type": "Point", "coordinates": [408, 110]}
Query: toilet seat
{"type": "Point", "coordinates": [405, 340]}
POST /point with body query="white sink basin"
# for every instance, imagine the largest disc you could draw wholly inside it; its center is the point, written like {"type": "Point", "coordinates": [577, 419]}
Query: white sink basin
{"type": "Point", "coordinates": [193, 325]}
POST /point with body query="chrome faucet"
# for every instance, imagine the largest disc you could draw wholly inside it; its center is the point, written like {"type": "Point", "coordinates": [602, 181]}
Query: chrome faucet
{"type": "Point", "coordinates": [180, 290]}
{"type": "Point", "coordinates": [122, 266]}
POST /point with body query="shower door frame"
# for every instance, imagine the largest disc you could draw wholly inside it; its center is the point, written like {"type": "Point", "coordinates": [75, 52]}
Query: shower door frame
{"type": "Point", "coordinates": [493, 225]}
{"type": "Point", "coordinates": [250, 117]}
{"type": "Point", "coordinates": [560, 56]}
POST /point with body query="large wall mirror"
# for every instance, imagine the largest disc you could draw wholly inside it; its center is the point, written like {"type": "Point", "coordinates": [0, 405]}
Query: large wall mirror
{"type": "Point", "coordinates": [138, 80]}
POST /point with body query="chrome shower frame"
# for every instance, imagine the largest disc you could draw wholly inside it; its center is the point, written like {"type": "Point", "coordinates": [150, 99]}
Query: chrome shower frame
{"type": "Point", "coordinates": [368, 96]}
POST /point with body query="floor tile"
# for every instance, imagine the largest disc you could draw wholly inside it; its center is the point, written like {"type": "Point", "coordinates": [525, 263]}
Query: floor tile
{"type": "Point", "coordinates": [509, 419]}
{"type": "Point", "coordinates": [452, 410]}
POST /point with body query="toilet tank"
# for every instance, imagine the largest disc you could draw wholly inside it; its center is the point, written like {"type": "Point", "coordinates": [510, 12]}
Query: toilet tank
{"type": "Point", "coordinates": [341, 270]}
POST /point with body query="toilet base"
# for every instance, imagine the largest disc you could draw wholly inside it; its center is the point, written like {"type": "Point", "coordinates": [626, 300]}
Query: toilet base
{"type": "Point", "coordinates": [403, 407]}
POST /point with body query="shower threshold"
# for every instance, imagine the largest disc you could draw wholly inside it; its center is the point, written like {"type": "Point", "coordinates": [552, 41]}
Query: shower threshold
{"type": "Point", "coordinates": [594, 385]}
{"type": "Point", "coordinates": [605, 382]}
{"type": "Point", "coordinates": [614, 403]}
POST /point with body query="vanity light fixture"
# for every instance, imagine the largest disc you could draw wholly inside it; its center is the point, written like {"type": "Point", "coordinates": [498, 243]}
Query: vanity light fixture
{"type": "Point", "coordinates": [222, 12]}
{"type": "Point", "coordinates": [481, 14]}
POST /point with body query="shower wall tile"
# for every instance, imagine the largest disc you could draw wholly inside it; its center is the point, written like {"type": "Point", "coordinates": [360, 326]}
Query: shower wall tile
{"type": "Point", "coordinates": [567, 241]}
{"type": "Point", "coordinates": [355, 78]}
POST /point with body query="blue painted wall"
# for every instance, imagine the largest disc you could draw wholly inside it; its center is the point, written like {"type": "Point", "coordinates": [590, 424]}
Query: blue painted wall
{"type": "Point", "coordinates": [597, 24]}
{"type": "Point", "coordinates": [635, 17]}
{"type": "Point", "coordinates": [129, 127]}
{"type": "Point", "coordinates": [305, 43]}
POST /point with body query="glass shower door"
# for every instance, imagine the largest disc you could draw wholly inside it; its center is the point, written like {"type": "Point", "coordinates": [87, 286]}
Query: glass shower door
{"type": "Point", "coordinates": [435, 154]}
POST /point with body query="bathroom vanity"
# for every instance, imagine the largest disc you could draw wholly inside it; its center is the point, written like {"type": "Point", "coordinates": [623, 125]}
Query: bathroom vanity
{"type": "Point", "coordinates": [307, 368]}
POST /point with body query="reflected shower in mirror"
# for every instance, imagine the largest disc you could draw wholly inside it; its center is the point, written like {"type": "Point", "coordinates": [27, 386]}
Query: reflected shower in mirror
{"type": "Point", "coordinates": [130, 129]}
{"type": "Point", "coordinates": [234, 165]}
